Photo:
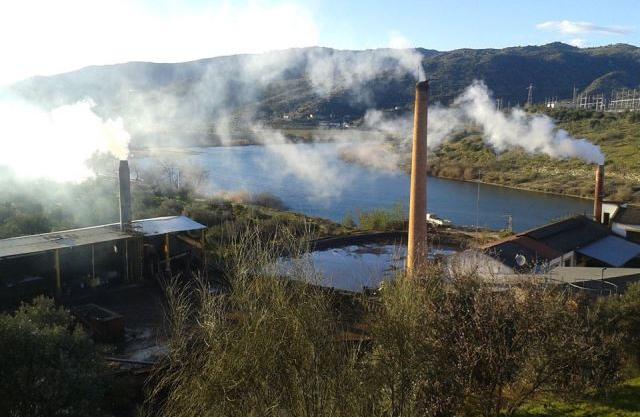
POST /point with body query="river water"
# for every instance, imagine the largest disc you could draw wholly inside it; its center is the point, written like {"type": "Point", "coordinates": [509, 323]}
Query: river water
{"type": "Point", "coordinates": [312, 179]}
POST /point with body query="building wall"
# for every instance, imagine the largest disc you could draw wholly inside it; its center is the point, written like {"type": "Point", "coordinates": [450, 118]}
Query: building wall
{"type": "Point", "coordinates": [622, 230]}
{"type": "Point", "coordinates": [609, 209]}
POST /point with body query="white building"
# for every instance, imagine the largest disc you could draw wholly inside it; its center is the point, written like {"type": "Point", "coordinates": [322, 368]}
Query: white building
{"type": "Point", "coordinates": [623, 219]}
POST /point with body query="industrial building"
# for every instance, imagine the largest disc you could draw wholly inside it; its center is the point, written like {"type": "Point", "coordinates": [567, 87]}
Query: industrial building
{"type": "Point", "coordinates": [569, 247]}
{"type": "Point", "coordinates": [623, 219]}
{"type": "Point", "coordinates": [70, 263]}
{"type": "Point", "coordinates": [573, 242]}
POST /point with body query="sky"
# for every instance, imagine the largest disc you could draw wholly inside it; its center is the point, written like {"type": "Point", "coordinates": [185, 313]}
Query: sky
{"type": "Point", "coordinates": [44, 37]}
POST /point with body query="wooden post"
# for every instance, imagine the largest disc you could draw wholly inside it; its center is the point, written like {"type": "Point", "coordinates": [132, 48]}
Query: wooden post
{"type": "Point", "coordinates": [167, 254]}
{"type": "Point", "coordinates": [204, 251]}
{"type": "Point", "coordinates": [126, 258]}
{"type": "Point", "coordinates": [58, 274]}
{"type": "Point", "coordinates": [93, 262]}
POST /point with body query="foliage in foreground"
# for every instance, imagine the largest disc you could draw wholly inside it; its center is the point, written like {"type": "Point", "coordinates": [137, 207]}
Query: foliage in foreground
{"type": "Point", "coordinates": [429, 347]}
{"type": "Point", "coordinates": [621, 401]}
{"type": "Point", "coordinates": [47, 368]}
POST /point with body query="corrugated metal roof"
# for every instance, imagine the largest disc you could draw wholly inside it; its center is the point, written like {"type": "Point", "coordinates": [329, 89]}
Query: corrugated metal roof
{"type": "Point", "coordinates": [162, 225]}
{"type": "Point", "coordinates": [612, 250]}
{"type": "Point", "coordinates": [98, 234]}
{"type": "Point", "coordinates": [569, 234]}
{"type": "Point", "coordinates": [58, 240]}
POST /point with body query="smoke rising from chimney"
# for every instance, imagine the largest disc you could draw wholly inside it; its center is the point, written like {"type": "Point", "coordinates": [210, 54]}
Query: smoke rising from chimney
{"type": "Point", "coordinates": [56, 144]}
{"type": "Point", "coordinates": [536, 134]}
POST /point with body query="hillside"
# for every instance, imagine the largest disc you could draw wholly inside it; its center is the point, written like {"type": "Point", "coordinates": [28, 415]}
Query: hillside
{"type": "Point", "coordinates": [467, 157]}
{"type": "Point", "coordinates": [159, 102]}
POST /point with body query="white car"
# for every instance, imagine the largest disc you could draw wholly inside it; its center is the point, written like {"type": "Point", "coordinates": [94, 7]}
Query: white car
{"type": "Point", "coordinates": [437, 221]}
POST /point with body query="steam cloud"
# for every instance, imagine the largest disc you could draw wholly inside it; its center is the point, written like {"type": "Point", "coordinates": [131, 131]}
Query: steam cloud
{"type": "Point", "coordinates": [56, 144]}
{"type": "Point", "coordinates": [533, 133]}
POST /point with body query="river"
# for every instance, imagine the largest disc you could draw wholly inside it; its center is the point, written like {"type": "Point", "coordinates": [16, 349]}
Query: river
{"type": "Point", "coordinates": [312, 179]}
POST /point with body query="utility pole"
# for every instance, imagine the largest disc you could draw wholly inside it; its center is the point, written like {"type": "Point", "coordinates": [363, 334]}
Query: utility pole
{"type": "Point", "coordinates": [509, 218]}
{"type": "Point", "coordinates": [530, 95]}
{"type": "Point", "coordinates": [478, 203]}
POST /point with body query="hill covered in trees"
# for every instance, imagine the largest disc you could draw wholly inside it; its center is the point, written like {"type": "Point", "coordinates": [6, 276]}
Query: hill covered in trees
{"type": "Point", "coordinates": [228, 93]}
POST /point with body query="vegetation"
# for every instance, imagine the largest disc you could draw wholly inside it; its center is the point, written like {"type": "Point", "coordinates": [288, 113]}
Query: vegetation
{"type": "Point", "coordinates": [140, 88]}
{"type": "Point", "coordinates": [422, 347]}
{"type": "Point", "coordinates": [270, 346]}
{"type": "Point", "coordinates": [40, 206]}
{"type": "Point", "coordinates": [466, 157]}
{"type": "Point", "coordinates": [379, 219]}
{"type": "Point", "coordinates": [620, 401]}
{"type": "Point", "coordinates": [48, 366]}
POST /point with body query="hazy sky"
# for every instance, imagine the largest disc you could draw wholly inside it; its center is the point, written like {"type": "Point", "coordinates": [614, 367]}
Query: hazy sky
{"type": "Point", "coordinates": [42, 37]}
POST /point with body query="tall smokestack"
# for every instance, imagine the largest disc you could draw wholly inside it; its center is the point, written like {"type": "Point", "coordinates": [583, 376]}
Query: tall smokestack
{"type": "Point", "coordinates": [417, 242]}
{"type": "Point", "coordinates": [599, 194]}
{"type": "Point", "coordinates": [124, 179]}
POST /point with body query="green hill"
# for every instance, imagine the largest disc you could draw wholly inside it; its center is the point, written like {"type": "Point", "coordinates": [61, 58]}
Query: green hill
{"type": "Point", "coordinates": [161, 101]}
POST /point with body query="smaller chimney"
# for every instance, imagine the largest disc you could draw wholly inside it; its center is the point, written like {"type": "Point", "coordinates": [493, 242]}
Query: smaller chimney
{"type": "Point", "coordinates": [124, 180]}
{"type": "Point", "coordinates": [599, 194]}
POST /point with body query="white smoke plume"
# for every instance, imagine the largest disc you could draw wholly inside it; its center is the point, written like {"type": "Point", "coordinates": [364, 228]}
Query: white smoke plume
{"type": "Point", "coordinates": [310, 165]}
{"type": "Point", "coordinates": [56, 144]}
{"type": "Point", "coordinates": [224, 99]}
{"type": "Point", "coordinates": [330, 70]}
{"type": "Point", "coordinates": [536, 134]}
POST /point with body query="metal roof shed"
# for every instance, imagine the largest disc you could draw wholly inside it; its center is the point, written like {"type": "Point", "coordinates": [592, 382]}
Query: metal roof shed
{"type": "Point", "coordinates": [164, 225]}
{"type": "Point", "coordinates": [611, 250]}
{"type": "Point", "coordinates": [25, 245]}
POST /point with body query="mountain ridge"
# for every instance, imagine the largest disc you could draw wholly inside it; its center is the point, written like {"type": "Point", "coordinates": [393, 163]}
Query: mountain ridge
{"type": "Point", "coordinates": [294, 84]}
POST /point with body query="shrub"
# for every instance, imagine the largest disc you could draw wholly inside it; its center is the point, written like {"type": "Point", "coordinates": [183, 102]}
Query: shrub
{"type": "Point", "coordinates": [349, 221]}
{"type": "Point", "coordinates": [462, 348]}
{"type": "Point", "coordinates": [269, 201]}
{"type": "Point", "coordinates": [623, 315]}
{"type": "Point", "coordinates": [47, 367]}
{"type": "Point", "coordinates": [383, 219]}
{"type": "Point", "coordinates": [433, 346]}
{"type": "Point", "coordinates": [265, 348]}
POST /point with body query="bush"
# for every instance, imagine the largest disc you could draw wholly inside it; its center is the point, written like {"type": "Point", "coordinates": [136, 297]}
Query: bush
{"type": "Point", "coordinates": [623, 314]}
{"type": "Point", "coordinates": [265, 348]}
{"type": "Point", "coordinates": [462, 348]}
{"type": "Point", "coordinates": [431, 347]}
{"type": "Point", "coordinates": [269, 201]}
{"type": "Point", "coordinates": [348, 221]}
{"type": "Point", "coordinates": [383, 219]}
{"type": "Point", "coordinates": [47, 367]}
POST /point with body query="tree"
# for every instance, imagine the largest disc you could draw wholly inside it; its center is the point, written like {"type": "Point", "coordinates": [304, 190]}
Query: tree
{"type": "Point", "coordinates": [462, 347]}
{"type": "Point", "coordinates": [47, 367]}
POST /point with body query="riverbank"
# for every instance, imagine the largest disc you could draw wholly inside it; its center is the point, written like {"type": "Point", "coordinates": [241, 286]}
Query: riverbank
{"type": "Point", "coordinates": [466, 158]}
{"type": "Point", "coordinates": [293, 135]}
